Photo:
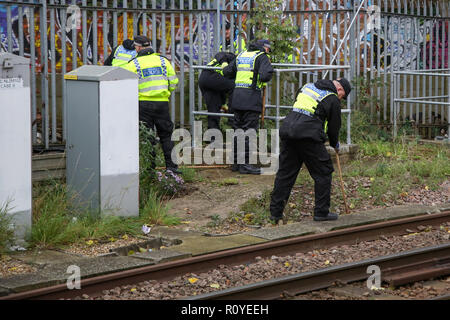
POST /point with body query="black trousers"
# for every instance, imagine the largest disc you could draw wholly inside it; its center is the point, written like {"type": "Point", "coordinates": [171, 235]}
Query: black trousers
{"type": "Point", "coordinates": [244, 120]}
{"type": "Point", "coordinates": [293, 153]}
{"type": "Point", "coordinates": [155, 114]}
{"type": "Point", "coordinates": [215, 89]}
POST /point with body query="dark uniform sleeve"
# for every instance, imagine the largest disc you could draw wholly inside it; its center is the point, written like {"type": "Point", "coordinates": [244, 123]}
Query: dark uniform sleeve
{"type": "Point", "coordinates": [108, 61]}
{"type": "Point", "coordinates": [334, 121]}
{"type": "Point", "coordinates": [265, 69]}
{"type": "Point", "coordinates": [230, 70]}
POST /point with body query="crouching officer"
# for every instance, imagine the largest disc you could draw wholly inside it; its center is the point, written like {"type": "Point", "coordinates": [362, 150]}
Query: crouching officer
{"type": "Point", "coordinates": [251, 70]}
{"type": "Point", "coordinates": [157, 79]}
{"type": "Point", "coordinates": [316, 111]}
{"type": "Point", "coordinates": [215, 87]}
{"type": "Point", "coordinates": [120, 56]}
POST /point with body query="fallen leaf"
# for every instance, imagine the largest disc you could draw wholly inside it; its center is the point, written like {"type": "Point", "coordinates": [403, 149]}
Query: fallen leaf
{"type": "Point", "coordinates": [112, 239]}
{"type": "Point", "coordinates": [90, 242]}
{"type": "Point", "coordinates": [426, 188]}
{"type": "Point", "coordinates": [142, 250]}
{"type": "Point", "coordinates": [192, 280]}
{"type": "Point", "coordinates": [133, 289]}
{"type": "Point", "coordinates": [131, 252]}
{"type": "Point", "coordinates": [185, 222]}
{"type": "Point", "coordinates": [12, 269]}
{"type": "Point", "coordinates": [287, 264]}
{"type": "Point", "coordinates": [125, 237]}
{"type": "Point", "coordinates": [327, 262]}
{"type": "Point", "coordinates": [215, 285]}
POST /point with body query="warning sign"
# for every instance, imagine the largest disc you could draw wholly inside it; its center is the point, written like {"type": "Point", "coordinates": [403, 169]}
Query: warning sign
{"type": "Point", "coordinates": [11, 83]}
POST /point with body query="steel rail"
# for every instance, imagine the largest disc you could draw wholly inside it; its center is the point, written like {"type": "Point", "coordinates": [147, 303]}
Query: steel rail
{"type": "Point", "coordinates": [323, 278]}
{"type": "Point", "coordinates": [166, 271]}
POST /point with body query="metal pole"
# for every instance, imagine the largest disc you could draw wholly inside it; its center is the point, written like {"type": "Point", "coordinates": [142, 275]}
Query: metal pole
{"type": "Point", "coordinates": [277, 120]}
{"type": "Point", "coordinates": [9, 28]}
{"type": "Point", "coordinates": [173, 56]}
{"type": "Point", "coordinates": [181, 53]}
{"type": "Point", "coordinates": [191, 71]}
{"type": "Point", "coordinates": [53, 69]}
{"type": "Point", "coordinates": [33, 72]}
{"type": "Point", "coordinates": [115, 29]}
{"type": "Point", "coordinates": [217, 27]}
{"type": "Point", "coordinates": [94, 34]}
{"type": "Point", "coordinates": [394, 103]}
{"type": "Point", "coordinates": [63, 67]}
{"type": "Point", "coordinates": [84, 34]}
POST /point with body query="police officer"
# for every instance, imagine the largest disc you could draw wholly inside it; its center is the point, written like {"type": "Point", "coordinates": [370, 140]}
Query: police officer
{"type": "Point", "coordinates": [316, 112]}
{"type": "Point", "coordinates": [120, 56]}
{"type": "Point", "coordinates": [215, 87]}
{"type": "Point", "coordinates": [235, 48]}
{"type": "Point", "coordinates": [251, 70]}
{"type": "Point", "coordinates": [157, 79]}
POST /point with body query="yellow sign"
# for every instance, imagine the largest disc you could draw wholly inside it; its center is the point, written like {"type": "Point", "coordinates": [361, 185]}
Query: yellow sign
{"type": "Point", "coordinates": [70, 77]}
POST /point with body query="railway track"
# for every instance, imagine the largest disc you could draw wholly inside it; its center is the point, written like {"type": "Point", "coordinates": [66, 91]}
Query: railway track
{"type": "Point", "coordinates": [401, 268]}
{"type": "Point", "coordinates": [166, 271]}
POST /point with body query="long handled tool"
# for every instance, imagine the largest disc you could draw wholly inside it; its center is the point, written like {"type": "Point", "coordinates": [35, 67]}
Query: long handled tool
{"type": "Point", "coordinates": [347, 211]}
{"type": "Point", "coordinates": [263, 107]}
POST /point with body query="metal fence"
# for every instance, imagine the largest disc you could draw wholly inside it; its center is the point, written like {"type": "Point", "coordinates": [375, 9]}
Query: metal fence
{"type": "Point", "coordinates": [394, 35]}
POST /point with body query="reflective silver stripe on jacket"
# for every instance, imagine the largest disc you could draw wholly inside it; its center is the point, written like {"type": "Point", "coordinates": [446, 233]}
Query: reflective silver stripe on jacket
{"type": "Point", "coordinates": [151, 78]}
{"type": "Point", "coordinates": [310, 94]}
{"type": "Point", "coordinates": [122, 58]}
{"type": "Point", "coordinates": [163, 87]}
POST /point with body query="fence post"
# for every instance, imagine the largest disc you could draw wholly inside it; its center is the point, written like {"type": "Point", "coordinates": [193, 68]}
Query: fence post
{"type": "Point", "coordinates": [352, 54]}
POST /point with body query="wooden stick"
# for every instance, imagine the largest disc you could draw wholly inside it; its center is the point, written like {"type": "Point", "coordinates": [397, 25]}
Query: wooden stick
{"type": "Point", "coordinates": [347, 211]}
{"type": "Point", "coordinates": [263, 107]}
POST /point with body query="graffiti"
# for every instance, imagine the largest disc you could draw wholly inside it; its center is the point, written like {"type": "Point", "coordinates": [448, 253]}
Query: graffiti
{"type": "Point", "coordinates": [179, 53]}
{"type": "Point", "coordinates": [407, 43]}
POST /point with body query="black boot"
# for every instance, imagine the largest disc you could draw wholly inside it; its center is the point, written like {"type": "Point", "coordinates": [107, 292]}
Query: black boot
{"type": "Point", "coordinates": [330, 216]}
{"type": "Point", "coordinates": [249, 169]}
{"type": "Point", "coordinates": [174, 170]}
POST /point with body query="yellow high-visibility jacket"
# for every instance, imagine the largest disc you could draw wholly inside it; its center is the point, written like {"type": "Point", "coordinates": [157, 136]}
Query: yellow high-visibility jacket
{"type": "Point", "coordinates": [157, 78]}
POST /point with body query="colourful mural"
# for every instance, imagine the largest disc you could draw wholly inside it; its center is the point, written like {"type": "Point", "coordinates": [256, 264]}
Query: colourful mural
{"type": "Point", "coordinates": [411, 42]}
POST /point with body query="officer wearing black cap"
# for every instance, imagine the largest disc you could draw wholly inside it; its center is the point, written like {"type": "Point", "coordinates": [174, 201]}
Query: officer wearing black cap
{"type": "Point", "coordinates": [157, 80]}
{"type": "Point", "coordinates": [316, 114]}
{"type": "Point", "coordinates": [251, 70]}
{"type": "Point", "coordinates": [121, 54]}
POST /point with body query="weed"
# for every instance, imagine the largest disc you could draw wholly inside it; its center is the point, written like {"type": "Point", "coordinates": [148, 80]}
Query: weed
{"type": "Point", "coordinates": [229, 182]}
{"type": "Point", "coordinates": [6, 232]}
{"type": "Point", "coordinates": [154, 211]}
{"type": "Point", "coordinates": [215, 221]}
{"type": "Point", "coordinates": [258, 207]}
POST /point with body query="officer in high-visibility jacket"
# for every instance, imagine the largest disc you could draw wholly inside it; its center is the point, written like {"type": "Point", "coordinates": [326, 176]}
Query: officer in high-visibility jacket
{"type": "Point", "coordinates": [120, 55]}
{"type": "Point", "coordinates": [237, 46]}
{"type": "Point", "coordinates": [215, 87]}
{"type": "Point", "coordinates": [251, 70]}
{"type": "Point", "coordinates": [316, 114]}
{"type": "Point", "coordinates": [157, 79]}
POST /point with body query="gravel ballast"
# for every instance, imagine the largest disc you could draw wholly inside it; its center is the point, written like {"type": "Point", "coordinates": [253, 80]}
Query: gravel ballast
{"type": "Point", "coordinates": [272, 267]}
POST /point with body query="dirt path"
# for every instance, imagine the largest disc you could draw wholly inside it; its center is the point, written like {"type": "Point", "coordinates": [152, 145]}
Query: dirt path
{"type": "Point", "coordinates": [220, 193]}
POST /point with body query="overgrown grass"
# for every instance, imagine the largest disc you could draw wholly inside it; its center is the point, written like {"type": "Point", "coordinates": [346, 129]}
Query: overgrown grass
{"type": "Point", "coordinates": [58, 220]}
{"type": "Point", "coordinates": [6, 233]}
{"type": "Point", "coordinates": [156, 212]}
